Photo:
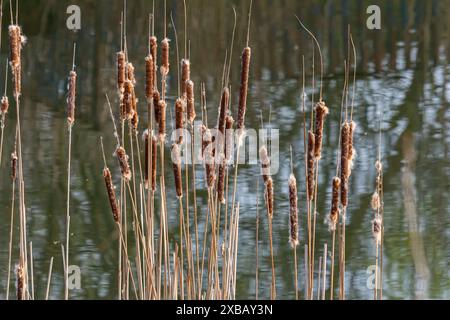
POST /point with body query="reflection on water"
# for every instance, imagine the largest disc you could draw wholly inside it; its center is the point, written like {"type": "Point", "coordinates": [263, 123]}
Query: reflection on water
{"type": "Point", "coordinates": [403, 73]}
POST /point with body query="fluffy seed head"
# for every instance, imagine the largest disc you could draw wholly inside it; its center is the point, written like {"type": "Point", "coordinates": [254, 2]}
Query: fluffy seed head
{"type": "Point", "coordinates": [4, 105]}
{"type": "Point", "coordinates": [310, 165]}
{"type": "Point", "coordinates": [72, 88]}
{"type": "Point", "coordinates": [111, 194]}
{"type": "Point", "coordinates": [190, 101]}
{"type": "Point", "coordinates": [165, 57]}
{"type": "Point", "coordinates": [122, 157]}
{"type": "Point", "coordinates": [185, 76]}
{"type": "Point", "coordinates": [162, 119]}
{"type": "Point", "coordinates": [293, 212]}
{"type": "Point", "coordinates": [345, 137]}
{"type": "Point", "coordinates": [243, 92]}
{"type": "Point", "coordinates": [265, 163]}
{"type": "Point", "coordinates": [149, 77]}
{"type": "Point", "coordinates": [269, 197]}
{"type": "Point", "coordinates": [179, 118]}
{"type": "Point", "coordinates": [321, 113]}
{"type": "Point", "coordinates": [176, 164]}
{"type": "Point", "coordinates": [121, 71]}
{"type": "Point", "coordinates": [334, 212]}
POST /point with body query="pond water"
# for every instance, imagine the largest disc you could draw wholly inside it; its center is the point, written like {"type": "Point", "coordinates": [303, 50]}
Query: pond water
{"type": "Point", "coordinates": [402, 74]}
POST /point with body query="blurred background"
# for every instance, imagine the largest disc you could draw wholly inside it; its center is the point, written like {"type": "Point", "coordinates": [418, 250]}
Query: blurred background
{"type": "Point", "coordinates": [402, 74]}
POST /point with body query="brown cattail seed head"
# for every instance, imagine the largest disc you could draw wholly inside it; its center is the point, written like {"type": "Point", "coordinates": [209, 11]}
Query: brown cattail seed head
{"type": "Point", "coordinates": [310, 165]}
{"type": "Point", "coordinates": [123, 163]}
{"type": "Point", "coordinates": [165, 57]}
{"type": "Point", "coordinates": [154, 48]}
{"type": "Point", "coordinates": [4, 105]}
{"type": "Point", "coordinates": [221, 183]}
{"type": "Point", "coordinates": [345, 137]}
{"type": "Point", "coordinates": [190, 101]}
{"type": "Point", "coordinates": [130, 73]}
{"type": "Point", "coordinates": [321, 113]}
{"type": "Point", "coordinates": [265, 163]}
{"type": "Point", "coordinates": [243, 91]}
{"type": "Point", "coordinates": [14, 166]}
{"type": "Point", "coordinates": [135, 121]}
{"type": "Point", "coordinates": [176, 159]}
{"type": "Point", "coordinates": [375, 201]}
{"type": "Point", "coordinates": [162, 119]}
{"type": "Point", "coordinates": [156, 98]}
{"type": "Point", "coordinates": [15, 41]}
{"type": "Point", "coordinates": [269, 197]}
{"type": "Point", "coordinates": [111, 194]}
{"type": "Point", "coordinates": [224, 103]}
{"type": "Point", "coordinates": [351, 150]}
{"type": "Point", "coordinates": [185, 75]}
{"type": "Point", "coordinates": [334, 212]}
{"type": "Point", "coordinates": [208, 150]}
{"type": "Point", "coordinates": [379, 166]}
{"type": "Point", "coordinates": [151, 158]}
{"type": "Point", "coordinates": [71, 97]}
{"type": "Point", "coordinates": [179, 119]}
{"type": "Point", "coordinates": [121, 71]}
{"type": "Point", "coordinates": [128, 101]}
{"type": "Point", "coordinates": [376, 229]}
{"type": "Point", "coordinates": [293, 212]}
{"type": "Point", "coordinates": [149, 77]}
{"type": "Point", "coordinates": [229, 122]}
{"type": "Point", "coordinates": [20, 274]}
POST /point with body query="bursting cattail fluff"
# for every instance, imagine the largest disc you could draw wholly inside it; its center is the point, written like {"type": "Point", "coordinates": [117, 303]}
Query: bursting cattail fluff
{"type": "Point", "coordinates": [179, 119]}
{"type": "Point", "coordinates": [176, 163]}
{"type": "Point", "coordinates": [334, 212]}
{"type": "Point", "coordinates": [376, 229]}
{"type": "Point", "coordinates": [128, 101]}
{"type": "Point", "coordinates": [351, 150]}
{"type": "Point", "coordinates": [345, 137]}
{"type": "Point", "coordinates": [72, 88]}
{"type": "Point", "coordinates": [165, 57]}
{"type": "Point", "coordinates": [375, 201]}
{"type": "Point", "coordinates": [321, 113]}
{"type": "Point", "coordinates": [149, 77]}
{"type": "Point", "coordinates": [14, 166]}
{"type": "Point", "coordinates": [162, 119]}
{"type": "Point", "coordinates": [269, 197]}
{"type": "Point", "coordinates": [265, 163]}
{"type": "Point", "coordinates": [243, 91]}
{"type": "Point", "coordinates": [4, 105]}
{"type": "Point", "coordinates": [293, 212]}
{"type": "Point", "coordinates": [123, 163]}
{"type": "Point", "coordinates": [111, 194]}
{"type": "Point", "coordinates": [310, 165]}
{"type": "Point", "coordinates": [185, 76]}
{"type": "Point", "coordinates": [190, 101]}
{"type": "Point", "coordinates": [130, 73]}
{"type": "Point", "coordinates": [121, 71]}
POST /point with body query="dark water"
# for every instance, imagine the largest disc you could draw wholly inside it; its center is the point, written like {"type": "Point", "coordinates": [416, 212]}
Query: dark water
{"type": "Point", "coordinates": [403, 73]}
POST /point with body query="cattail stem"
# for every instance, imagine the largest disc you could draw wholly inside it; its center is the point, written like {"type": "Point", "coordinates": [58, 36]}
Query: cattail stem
{"type": "Point", "coordinates": [11, 230]}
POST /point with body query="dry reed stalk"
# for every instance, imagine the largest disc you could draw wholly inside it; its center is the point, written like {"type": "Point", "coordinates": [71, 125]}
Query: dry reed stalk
{"type": "Point", "coordinates": [243, 92]}
{"type": "Point", "coordinates": [154, 161]}
{"type": "Point", "coordinates": [265, 164]}
{"type": "Point", "coordinates": [16, 39]}
{"type": "Point", "coordinates": [179, 119]}
{"type": "Point", "coordinates": [111, 194]}
{"type": "Point", "coordinates": [293, 212]}
{"type": "Point", "coordinates": [162, 119]}
{"type": "Point", "coordinates": [122, 157]}
{"type": "Point", "coordinates": [321, 113]}
{"type": "Point", "coordinates": [185, 76]}
{"type": "Point", "coordinates": [4, 105]}
{"type": "Point", "coordinates": [149, 77]}
{"type": "Point", "coordinates": [191, 115]}
{"type": "Point", "coordinates": [165, 57]}
{"type": "Point", "coordinates": [311, 165]}
{"type": "Point", "coordinates": [334, 212]}
{"type": "Point", "coordinates": [345, 137]}
{"type": "Point", "coordinates": [21, 285]}
{"type": "Point", "coordinates": [121, 63]}
{"type": "Point", "coordinates": [71, 98]}
{"type": "Point", "coordinates": [176, 164]}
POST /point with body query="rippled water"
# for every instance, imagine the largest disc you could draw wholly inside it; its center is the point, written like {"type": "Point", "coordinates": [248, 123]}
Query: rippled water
{"type": "Point", "coordinates": [403, 73]}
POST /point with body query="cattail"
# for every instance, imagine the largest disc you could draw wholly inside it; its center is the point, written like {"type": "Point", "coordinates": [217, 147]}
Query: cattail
{"type": "Point", "coordinates": [156, 98]}
{"type": "Point", "coordinates": [72, 87]}
{"type": "Point", "coordinates": [15, 40]}
{"type": "Point", "coordinates": [165, 57]}
{"type": "Point", "coordinates": [221, 183]}
{"type": "Point", "coordinates": [334, 212]}
{"type": "Point", "coordinates": [128, 101]}
{"type": "Point", "coordinates": [14, 166]}
{"type": "Point", "coordinates": [376, 229]}
{"type": "Point", "coordinates": [351, 150]}
{"type": "Point", "coordinates": [190, 101]}
{"type": "Point", "coordinates": [223, 109]}
{"type": "Point", "coordinates": [111, 194]}
{"type": "Point", "coordinates": [375, 201]}
{"type": "Point", "coordinates": [123, 163]}
{"type": "Point", "coordinates": [245, 70]}
{"type": "Point", "coordinates": [321, 113]}
{"type": "Point", "coordinates": [206, 139]}
{"type": "Point", "coordinates": [269, 197]}
{"type": "Point", "coordinates": [176, 159]}
{"type": "Point", "coordinates": [379, 166]}
{"type": "Point", "coordinates": [149, 77]}
{"type": "Point", "coordinates": [154, 54]}
{"type": "Point", "coordinates": [121, 71]}
{"type": "Point", "coordinates": [229, 121]}
{"type": "Point", "coordinates": [293, 213]}
{"type": "Point", "coordinates": [135, 120]}
{"type": "Point", "coordinates": [179, 119]}
{"type": "Point", "coordinates": [310, 165]}
{"type": "Point", "coordinates": [4, 105]}
{"type": "Point", "coordinates": [150, 174]}
{"type": "Point", "coordinates": [208, 151]}
{"type": "Point", "coordinates": [185, 76]}
{"type": "Point", "coordinates": [162, 120]}
{"type": "Point", "coordinates": [20, 274]}
{"type": "Point", "coordinates": [345, 136]}
{"type": "Point", "coordinates": [265, 163]}
{"type": "Point", "coordinates": [130, 73]}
